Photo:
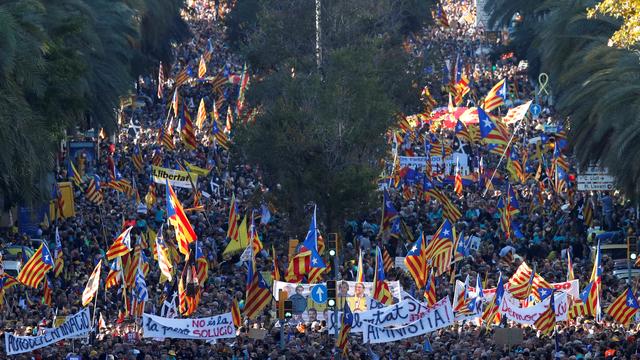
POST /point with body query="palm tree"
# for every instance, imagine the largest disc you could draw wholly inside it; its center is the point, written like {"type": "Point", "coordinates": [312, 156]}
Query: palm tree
{"type": "Point", "coordinates": [62, 61]}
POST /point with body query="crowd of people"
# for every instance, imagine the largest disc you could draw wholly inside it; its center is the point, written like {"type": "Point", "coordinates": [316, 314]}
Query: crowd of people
{"type": "Point", "coordinates": [552, 219]}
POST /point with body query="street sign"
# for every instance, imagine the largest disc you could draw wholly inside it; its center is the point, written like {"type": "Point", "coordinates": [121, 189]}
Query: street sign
{"type": "Point", "coordinates": [535, 110]}
{"type": "Point", "coordinates": [319, 293]}
{"type": "Point", "coordinates": [595, 179]}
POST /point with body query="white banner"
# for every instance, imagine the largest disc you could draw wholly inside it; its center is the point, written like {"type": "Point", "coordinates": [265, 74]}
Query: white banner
{"type": "Point", "coordinates": [210, 328]}
{"type": "Point", "coordinates": [402, 313]}
{"type": "Point", "coordinates": [510, 307]}
{"type": "Point", "coordinates": [75, 325]}
{"type": "Point", "coordinates": [434, 318]}
{"type": "Point", "coordinates": [176, 178]}
{"type": "Point", "coordinates": [413, 161]}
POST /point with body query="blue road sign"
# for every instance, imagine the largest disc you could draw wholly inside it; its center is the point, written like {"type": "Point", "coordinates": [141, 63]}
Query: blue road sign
{"type": "Point", "coordinates": [535, 110]}
{"type": "Point", "coordinates": [319, 293]}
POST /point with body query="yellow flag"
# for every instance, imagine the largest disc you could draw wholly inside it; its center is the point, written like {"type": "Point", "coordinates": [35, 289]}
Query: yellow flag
{"type": "Point", "coordinates": [196, 169]}
{"type": "Point", "coordinates": [242, 242]}
{"type": "Point", "coordinates": [202, 114]}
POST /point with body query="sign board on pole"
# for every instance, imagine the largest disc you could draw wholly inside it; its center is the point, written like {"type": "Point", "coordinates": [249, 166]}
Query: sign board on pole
{"type": "Point", "coordinates": [595, 179]}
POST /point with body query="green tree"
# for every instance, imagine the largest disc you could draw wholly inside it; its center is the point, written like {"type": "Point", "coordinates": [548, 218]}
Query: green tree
{"type": "Point", "coordinates": [63, 62]}
{"type": "Point", "coordinates": [320, 135]}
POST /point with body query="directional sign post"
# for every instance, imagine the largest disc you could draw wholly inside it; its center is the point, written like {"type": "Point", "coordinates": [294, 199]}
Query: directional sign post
{"type": "Point", "coordinates": [319, 293]}
{"type": "Point", "coordinates": [535, 110]}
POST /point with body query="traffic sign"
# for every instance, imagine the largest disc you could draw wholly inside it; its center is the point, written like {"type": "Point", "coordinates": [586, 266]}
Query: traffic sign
{"type": "Point", "coordinates": [319, 293]}
{"type": "Point", "coordinates": [535, 110]}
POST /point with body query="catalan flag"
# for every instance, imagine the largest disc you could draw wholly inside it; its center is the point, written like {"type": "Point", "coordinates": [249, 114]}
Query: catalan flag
{"type": "Point", "coordinates": [360, 272]}
{"type": "Point", "coordinates": [311, 243]}
{"type": "Point", "coordinates": [114, 275]}
{"type": "Point", "coordinates": [462, 133]}
{"type": "Point", "coordinates": [93, 192]}
{"type": "Point", "coordinates": [546, 322]}
{"type": "Point", "coordinates": [430, 290]}
{"type": "Point", "coordinates": [92, 285]}
{"type": "Point", "coordinates": [390, 218]}
{"type": "Point", "coordinates": [175, 103]}
{"type": "Point", "coordinates": [220, 136]}
{"type": "Point", "coordinates": [570, 275]}
{"type": "Point", "coordinates": [576, 308]}
{"type": "Point", "coordinates": [450, 210]}
{"type": "Point", "coordinates": [47, 292]}
{"type": "Point", "coordinates": [121, 245]}
{"type": "Point", "coordinates": [258, 291]}
{"type": "Point", "coordinates": [522, 275]}
{"type": "Point", "coordinates": [235, 314]}
{"type": "Point", "coordinates": [298, 266]}
{"type": "Point", "coordinates": [457, 184]}
{"type": "Point", "coordinates": [515, 167]}
{"type": "Point", "coordinates": [496, 96]}
{"type": "Point", "coordinates": [244, 81]}
{"type": "Point", "coordinates": [491, 134]}
{"type": "Point", "coordinates": [186, 130]}
{"type": "Point", "coordinates": [439, 251]}
{"type": "Point", "coordinates": [381, 290]}
{"type": "Point", "coordinates": [624, 307]}
{"type": "Point", "coordinates": [587, 213]}
{"type": "Point", "coordinates": [165, 139]}
{"type": "Point", "coordinates": [522, 290]}
{"type": "Point", "coordinates": [492, 309]}
{"type": "Point", "coordinates": [256, 244]}
{"type": "Point", "coordinates": [202, 114]}
{"type": "Point", "coordinates": [188, 290]}
{"type": "Point", "coordinates": [345, 329]}
{"type": "Point", "coordinates": [441, 17]}
{"type": "Point", "coordinates": [164, 260]}
{"type": "Point", "coordinates": [75, 175]}
{"type": "Point", "coordinates": [388, 261]}
{"type": "Point", "coordinates": [160, 81]}
{"type": "Point", "coordinates": [591, 294]}
{"type": "Point", "coordinates": [35, 269]}
{"type": "Point", "coordinates": [59, 256]}
{"type": "Point", "coordinates": [202, 265]}
{"type": "Point", "coordinates": [130, 264]}
{"type": "Point", "coordinates": [461, 88]}
{"type": "Point", "coordinates": [182, 77]}
{"type": "Point", "coordinates": [416, 262]}
{"type": "Point", "coordinates": [136, 159]}
{"type": "Point", "coordinates": [177, 217]}
{"type": "Point", "coordinates": [202, 68]}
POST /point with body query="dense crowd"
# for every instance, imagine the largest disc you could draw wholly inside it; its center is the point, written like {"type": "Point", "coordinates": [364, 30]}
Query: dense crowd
{"type": "Point", "coordinates": [551, 223]}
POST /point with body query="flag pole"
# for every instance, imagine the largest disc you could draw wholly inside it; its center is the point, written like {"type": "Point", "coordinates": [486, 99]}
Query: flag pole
{"type": "Point", "coordinates": [501, 158]}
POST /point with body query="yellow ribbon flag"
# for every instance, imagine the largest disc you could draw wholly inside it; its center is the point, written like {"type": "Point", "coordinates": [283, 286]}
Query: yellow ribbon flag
{"type": "Point", "coordinates": [237, 245]}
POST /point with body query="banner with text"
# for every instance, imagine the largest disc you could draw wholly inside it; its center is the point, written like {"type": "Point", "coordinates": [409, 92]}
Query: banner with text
{"type": "Point", "coordinates": [434, 318]}
{"type": "Point", "coordinates": [401, 313]}
{"type": "Point", "coordinates": [74, 326]}
{"type": "Point", "coordinates": [176, 178]}
{"type": "Point", "coordinates": [210, 328]}
{"type": "Point", "coordinates": [510, 307]}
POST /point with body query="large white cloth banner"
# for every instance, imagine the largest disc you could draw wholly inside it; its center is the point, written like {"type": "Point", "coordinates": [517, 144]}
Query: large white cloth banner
{"type": "Point", "coordinates": [510, 307]}
{"type": "Point", "coordinates": [436, 317]}
{"type": "Point", "coordinates": [210, 328]}
{"type": "Point", "coordinates": [75, 325]}
{"type": "Point", "coordinates": [402, 313]}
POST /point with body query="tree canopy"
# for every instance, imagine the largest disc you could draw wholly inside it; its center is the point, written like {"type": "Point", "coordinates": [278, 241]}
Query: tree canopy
{"type": "Point", "coordinates": [64, 62]}
{"type": "Point", "coordinates": [592, 82]}
{"type": "Point", "coordinates": [320, 134]}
